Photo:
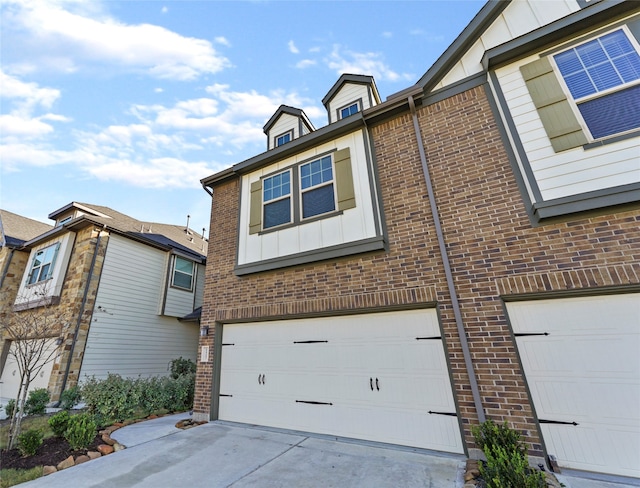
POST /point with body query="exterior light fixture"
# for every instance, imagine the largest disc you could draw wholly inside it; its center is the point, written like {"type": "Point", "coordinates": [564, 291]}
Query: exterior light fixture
{"type": "Point", "coordinates": [204, 331]}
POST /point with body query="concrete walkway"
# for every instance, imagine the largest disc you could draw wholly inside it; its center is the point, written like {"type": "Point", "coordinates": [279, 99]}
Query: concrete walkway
{"type": "Point", "coordinates": [218, 454]}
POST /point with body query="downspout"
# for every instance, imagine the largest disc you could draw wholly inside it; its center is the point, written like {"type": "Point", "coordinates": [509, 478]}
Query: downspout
{"type": "Point", "coordinates": [82, 307]}
{"type": "Point", "coordinates": [447, 267]}
{"type": "Point", "coordinates": [6, 267]}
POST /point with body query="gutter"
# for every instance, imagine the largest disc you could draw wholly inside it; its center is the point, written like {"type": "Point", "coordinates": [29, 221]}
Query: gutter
{"type": "Point", "coordinates": [447, 268]}
{"type": "Point", "coordinates": [82, 308]}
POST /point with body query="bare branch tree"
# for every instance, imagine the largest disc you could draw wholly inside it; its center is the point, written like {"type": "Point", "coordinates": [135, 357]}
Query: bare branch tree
{"type": "Point", "coordinates": [35, 335]}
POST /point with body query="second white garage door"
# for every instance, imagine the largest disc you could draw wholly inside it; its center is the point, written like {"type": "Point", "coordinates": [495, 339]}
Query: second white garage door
{"type": "Point", "coordinates": [581, 360]}
{"type": "Point", "coordinates": [380, 377]}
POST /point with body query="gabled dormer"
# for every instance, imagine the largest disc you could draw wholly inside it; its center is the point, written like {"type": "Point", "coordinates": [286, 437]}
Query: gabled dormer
{"type": "Point", "coordinates": [73, 210]}
{"type": "Point", "coordinates": [287, 124]}
{"type": "Point", "coordinates": [350, 94]}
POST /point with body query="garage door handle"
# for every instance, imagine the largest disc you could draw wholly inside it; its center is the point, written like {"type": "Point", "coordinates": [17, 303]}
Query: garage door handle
{"type": "Point", "coordinates": [377, 386]}
{"type": "Point", "coordinates": [528, 334]}
{"type": "Point", "coordinates": [371, 383]}
{"type": "Point", "coordinates": [261, 379]}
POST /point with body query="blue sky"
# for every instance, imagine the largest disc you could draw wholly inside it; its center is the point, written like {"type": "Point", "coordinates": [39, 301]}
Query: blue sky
{"type": "Point", "coordinates": [128, 104]}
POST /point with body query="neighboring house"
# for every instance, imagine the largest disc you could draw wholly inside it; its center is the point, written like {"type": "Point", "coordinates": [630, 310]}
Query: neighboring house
{"type": "Point", "coordinates": [120, 287]}
{"type": "Point", "coordinates": [468, 249]}
{"type": "Point", "coordinates": [15, 230]}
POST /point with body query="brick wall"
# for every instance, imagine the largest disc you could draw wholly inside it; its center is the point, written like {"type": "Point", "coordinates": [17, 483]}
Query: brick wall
{"type": "Point", "coordinates": [489, 240]}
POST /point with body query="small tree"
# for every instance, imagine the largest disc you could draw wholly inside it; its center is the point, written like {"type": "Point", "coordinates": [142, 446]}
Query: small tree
{"type": "Point", "coordinates": [30, 332]}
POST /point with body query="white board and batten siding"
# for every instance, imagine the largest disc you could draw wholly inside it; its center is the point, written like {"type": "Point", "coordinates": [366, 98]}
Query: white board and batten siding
{"type": "Point", "coordinates": [348, 94]}
{"type": "Point", "coordinates": [569, 172]}
{"type": "Point", "coordinates": [352, 225]}
{"type": "Point", "coordinates": [128, 337]}
{"type": "Point", "coordinates": [358, 376]}
{"type": "Point", "coordinates": [581, 360]}
{"type": "Point", "coordinates": [519, 18]}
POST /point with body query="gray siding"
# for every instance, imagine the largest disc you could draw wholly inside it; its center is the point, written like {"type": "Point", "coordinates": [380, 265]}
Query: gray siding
{"type": "Point", "coordinates": [129, 337]}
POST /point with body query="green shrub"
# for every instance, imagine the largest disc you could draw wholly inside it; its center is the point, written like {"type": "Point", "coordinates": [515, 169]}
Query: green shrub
{"type": "Point", "coordinates": [29, 442]}
{"type": "Point", "coordinates": [507, 465]}
{"type": "Point", "coordinates": [59, 423]}
{"type": "Point", "coordinates": [509, 469]}
{"type": "Point", "coordinates": [113, 398]}
{"type": "Point", "coordinates": [181, 367]}
{"type": "Point", "coordinates": [81, 431]}
{"type": "Point", "coordinates": [489, 434]}
{"type": "Point", "coordinates": [69, 398]}
{"type": "Point", "coordinates": [116, 398]}
{"type": "Point", "coordinates": [10, 407]}
{"type": "Point", "coordinates": [36, 403]}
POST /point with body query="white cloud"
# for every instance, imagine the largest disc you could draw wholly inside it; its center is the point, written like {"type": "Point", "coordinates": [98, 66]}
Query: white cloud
{"type": "Point", "coordinates": [85, 40]}
{"type": "Point", "coordinates": [387, 34]}
{"type": "Point", "coordinates": [14, 125]}
{"type": "Point", "coordinates": [305, 63]}
{"type": "Point", "coordinates": [29, 93]}
{"type": "Point", "coordinates": [222, 40]}
{"type": "Point", "coordinates": [363, 63]}
{"type": "Point", "coordinates": [164, 10]}
{"type": "Point", "coordinates": [293, 48]}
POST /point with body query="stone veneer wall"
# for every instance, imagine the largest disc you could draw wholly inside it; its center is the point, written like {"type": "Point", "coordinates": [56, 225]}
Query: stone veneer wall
{"type": "Point", "coordinates": [493, 249]}
{"type": "Point", "coordinates": [9, 290]}
{"type": "Point", "coordinates": [70, 304]}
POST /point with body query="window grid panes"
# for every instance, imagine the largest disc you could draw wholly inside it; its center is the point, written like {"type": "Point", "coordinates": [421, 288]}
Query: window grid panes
{"type": "Point", "coordinates": [276, 198]}
{"type": "Point", "coordinates": [316, 183]}
{"type": "Point", "coordinates": [42, 266]}
{"type": "Point", "coordinates": [183, 273]}
{"type": "Point", "coordinates": [599, 65]}
{"type": "Point", "coordinates": [350, 110]}
{"type": "Point", "coordinates": [283, 139]}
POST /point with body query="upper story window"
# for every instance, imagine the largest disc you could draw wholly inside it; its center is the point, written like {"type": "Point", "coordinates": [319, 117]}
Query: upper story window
{"type": "Point", "coordinates": [64, 220]}
{"type": "Point", "coordinates": [310, 189]}
{"type": "Point", "coordinates": [283, 139]}
{"type": "Point", "coordinates": [183, 271]}
{"type": "Point", "coordinates": [350, 110]}
{"type": "Point", "coordinates": [42, 264]}
{"type": "Point", "coordinates": [603, 77]}
{"type": "Point", "coordinates": [316, 185]}
{"type": "Point", "coordinates": [277, 199]}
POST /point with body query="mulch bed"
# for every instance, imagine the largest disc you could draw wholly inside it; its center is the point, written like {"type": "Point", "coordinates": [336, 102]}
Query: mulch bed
{"type": "Point", "coordinates": [52, 451]}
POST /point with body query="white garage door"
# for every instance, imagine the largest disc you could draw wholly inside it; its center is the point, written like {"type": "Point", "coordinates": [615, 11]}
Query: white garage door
{"type": "Point", "coordinates": [581, 357]}
{"type": "Point", "coordinates": [380, 377]}
{"type": "Point", "coordinates": [10, 381]}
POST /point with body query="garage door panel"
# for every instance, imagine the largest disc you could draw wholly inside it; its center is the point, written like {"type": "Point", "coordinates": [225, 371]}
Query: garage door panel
{"type": "Point", "coordinates": [412, 378]}
{"type": "Point", "coordinates": [586, 370]}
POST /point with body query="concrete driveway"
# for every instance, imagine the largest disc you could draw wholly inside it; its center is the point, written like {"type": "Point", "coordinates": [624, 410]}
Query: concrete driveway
{"type": "Point", "coordinates": [222, 455]}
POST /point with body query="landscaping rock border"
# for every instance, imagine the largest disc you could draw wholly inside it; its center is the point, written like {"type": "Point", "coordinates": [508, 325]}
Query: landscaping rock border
{"type": "Point", "coordinates": [110, 445]}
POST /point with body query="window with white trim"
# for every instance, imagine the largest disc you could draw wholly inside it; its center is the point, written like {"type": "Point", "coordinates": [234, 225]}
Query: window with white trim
{"type": "Point", "coordinates": [284, 138]}
{"type": "Point", "coordinates": [183, 271]}
{"type": "Point", "coordinates": [350, 110]}
{"type": "Point", "coordinates": [603, 77]}
{"type": "Point", "coordinates": [42, 264]}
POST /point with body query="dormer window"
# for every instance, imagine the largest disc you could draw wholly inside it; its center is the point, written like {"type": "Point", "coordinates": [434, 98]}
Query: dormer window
{"type": "Point", "coordinates": [349, 110]}
{"type": "Point", "coordinates": [64, 220]}
{"type": "Point", "coordinates": [284, 138]}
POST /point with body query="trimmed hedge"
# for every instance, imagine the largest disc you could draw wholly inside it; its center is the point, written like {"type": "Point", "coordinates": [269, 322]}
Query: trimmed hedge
{"type": "Point", "coordinates": [116, 398]}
